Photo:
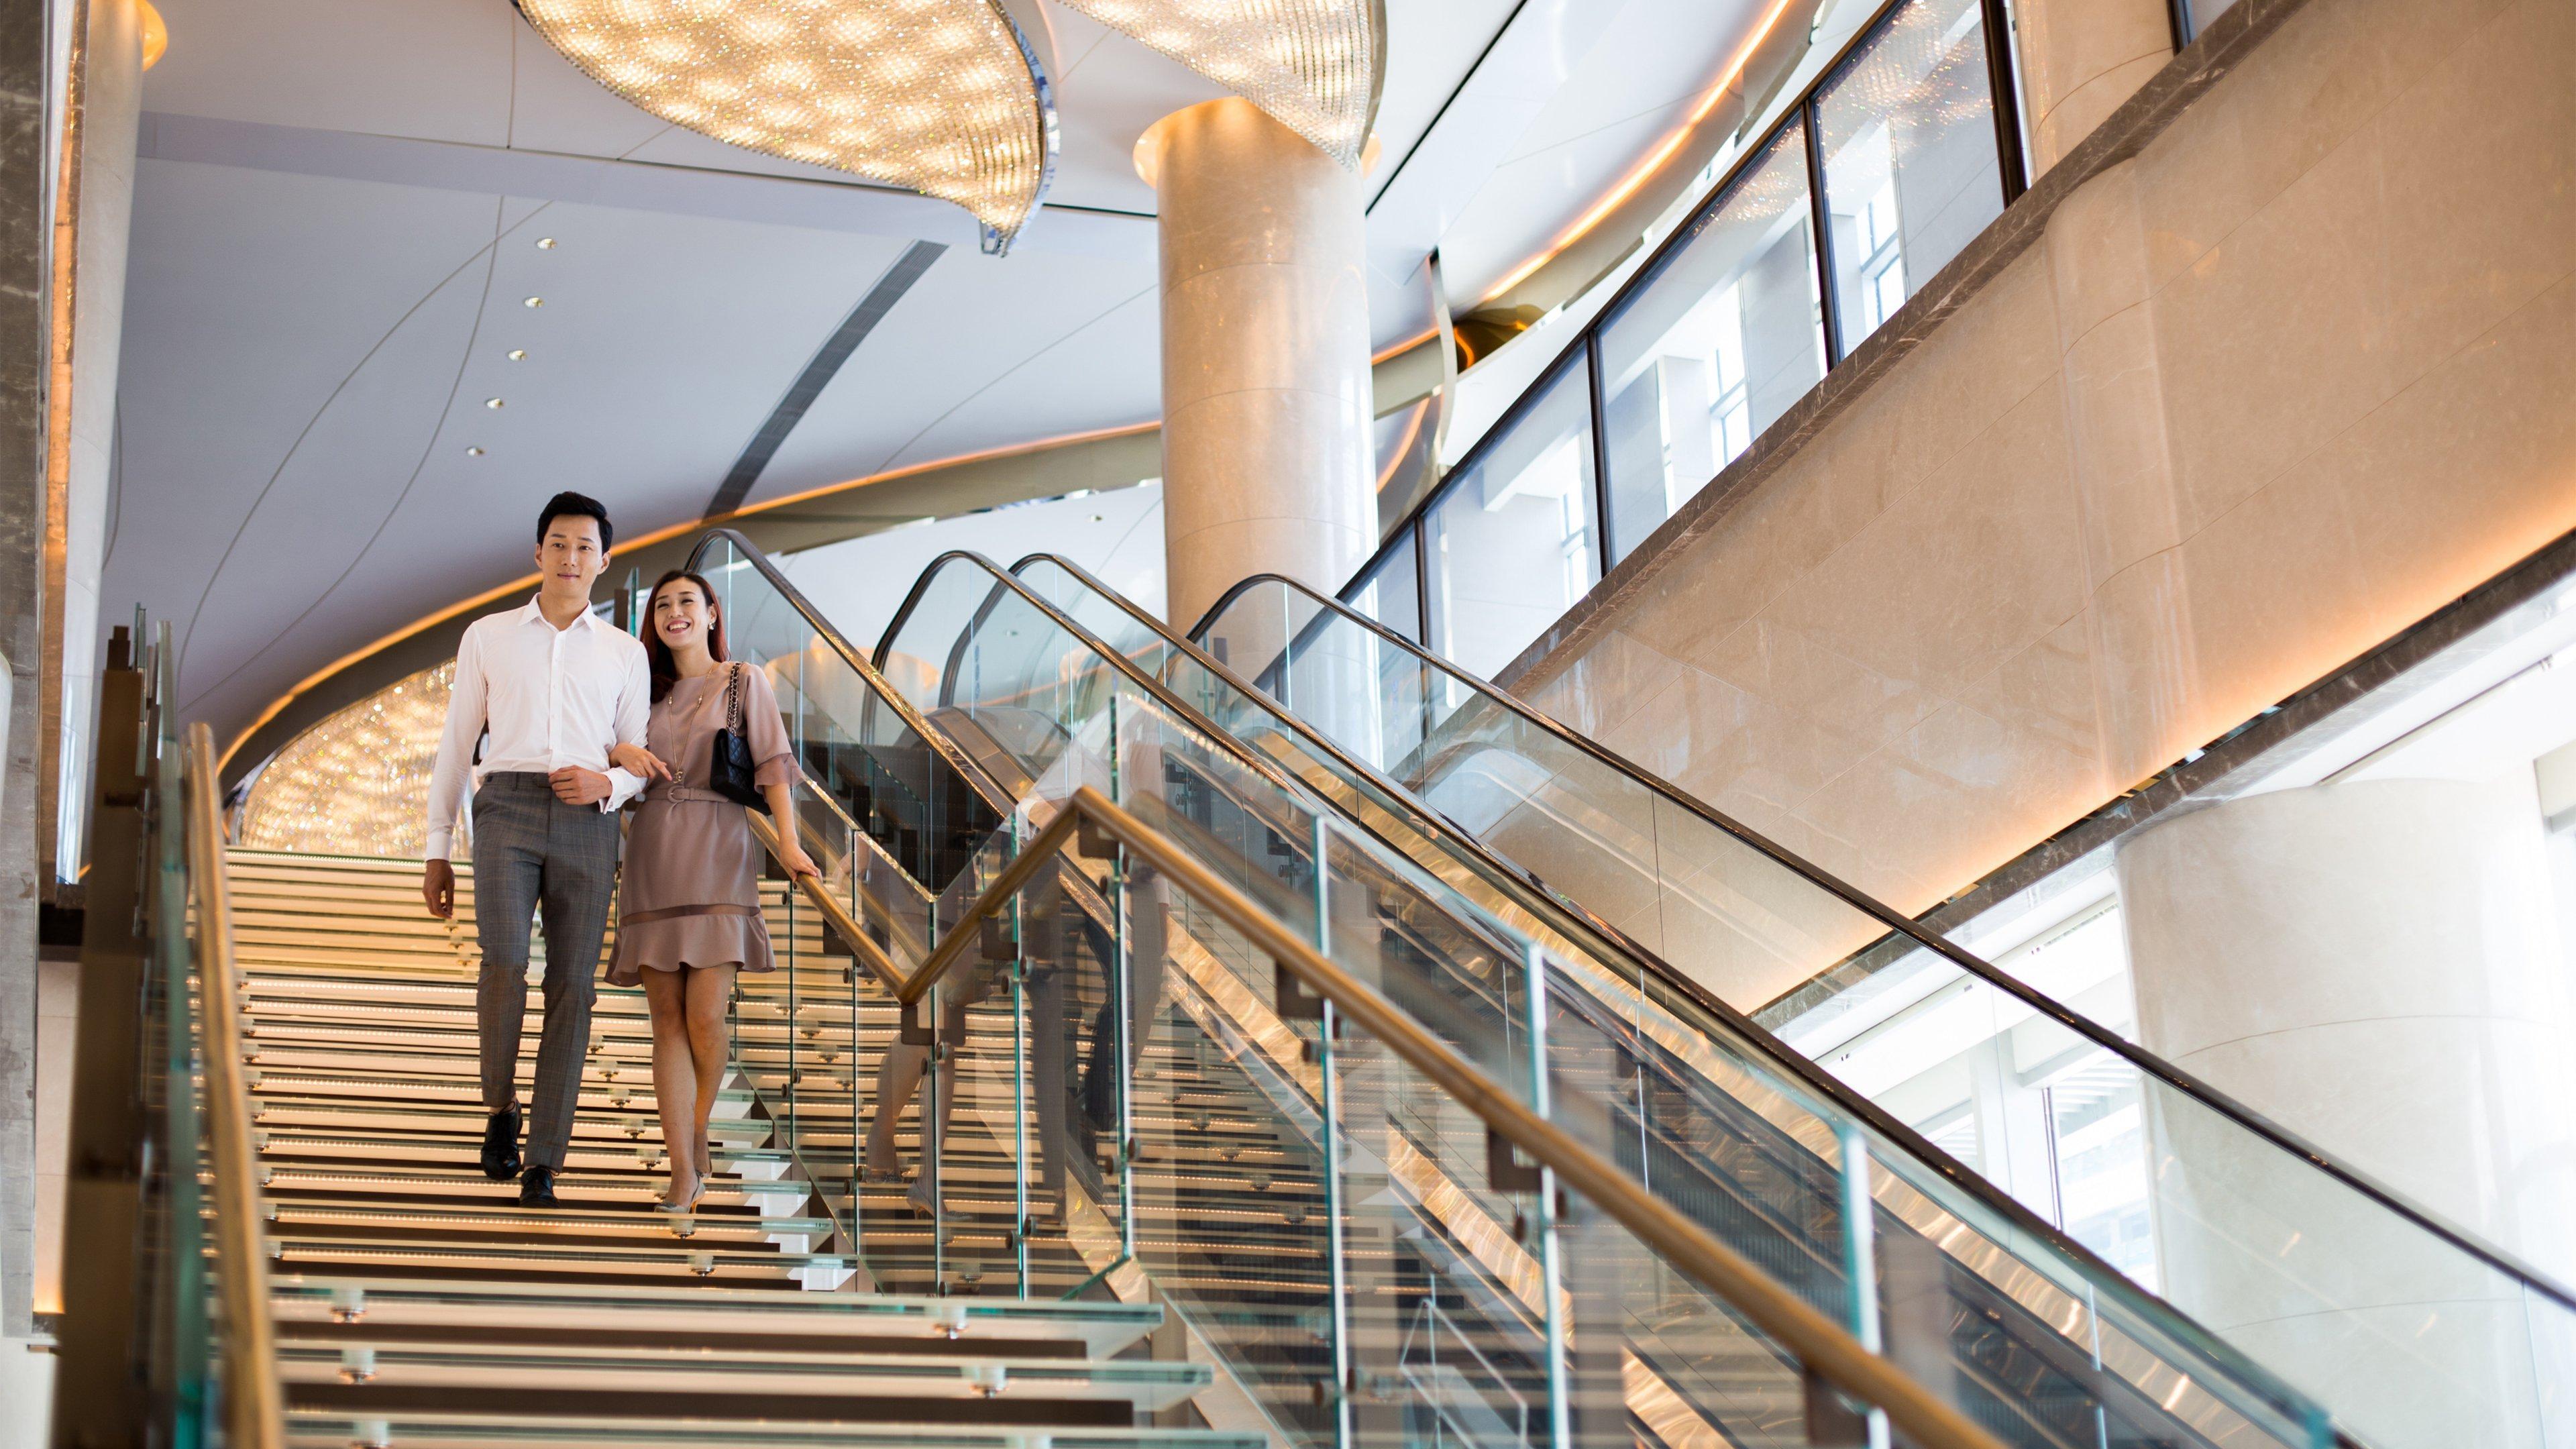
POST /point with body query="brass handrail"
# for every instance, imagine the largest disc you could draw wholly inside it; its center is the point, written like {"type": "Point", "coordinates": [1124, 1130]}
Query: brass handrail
{"type": "Point", "coordinates": [254, 1402]}
{"type": "Point", "coordinates": [835, 915]}
{"type": "Point", "coordinates": [1821, 1345]}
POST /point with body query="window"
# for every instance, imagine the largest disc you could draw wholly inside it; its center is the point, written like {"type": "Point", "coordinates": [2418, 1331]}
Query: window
{"type": "Point", "coordinates": [1907, 127]}
{"type": "Point", "coordinates": [1715, 344]}
{"type": "Point", "coordinates": [1509, 542]}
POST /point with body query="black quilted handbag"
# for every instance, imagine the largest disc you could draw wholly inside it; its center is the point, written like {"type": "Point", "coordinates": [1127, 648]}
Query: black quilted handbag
{"type": "Point", "coordinates": [733, 773]}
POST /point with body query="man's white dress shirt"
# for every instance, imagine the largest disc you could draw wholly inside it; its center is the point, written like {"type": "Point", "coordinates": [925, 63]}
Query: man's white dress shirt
{"type": "Point", "coordinates": [551, 697]}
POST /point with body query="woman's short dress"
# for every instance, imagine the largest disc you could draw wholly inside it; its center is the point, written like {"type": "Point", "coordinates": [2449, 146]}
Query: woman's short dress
{"type": "Point", "coordinates": [689, 892]}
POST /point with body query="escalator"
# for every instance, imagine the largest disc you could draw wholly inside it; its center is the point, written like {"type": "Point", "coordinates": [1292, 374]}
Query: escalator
{"type": "Point", "coordinates": [2043, 1343]}
{"type": "Point", "coordinates": [2256, 1229]}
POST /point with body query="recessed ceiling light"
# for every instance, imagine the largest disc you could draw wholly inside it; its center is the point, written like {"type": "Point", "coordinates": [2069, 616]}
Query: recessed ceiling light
{"type": "Point", "coordinates": [545, 244]}
{"type": "Point", "coordinates": [474, 452]}
{"type": "Point", "coordinates": [533, 302]}
{"type": "Point", "coordinates": [518, 354]}
{"type": "Point", "coordinates": [491, 402]}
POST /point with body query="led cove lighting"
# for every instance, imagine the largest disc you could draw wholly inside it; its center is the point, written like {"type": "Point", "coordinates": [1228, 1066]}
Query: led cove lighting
{"type": "Point", "coordinates": [1314, 65]}
{"type": "Point", "coordinates": [944, 97]}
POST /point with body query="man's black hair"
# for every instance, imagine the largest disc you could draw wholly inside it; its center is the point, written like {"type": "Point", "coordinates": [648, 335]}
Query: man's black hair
{"type": "Point", "coordinates": [577, 505]}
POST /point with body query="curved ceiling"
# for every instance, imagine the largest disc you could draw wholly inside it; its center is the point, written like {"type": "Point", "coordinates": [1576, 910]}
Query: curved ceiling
{"type": "Point", "coordinates": [343, 208]}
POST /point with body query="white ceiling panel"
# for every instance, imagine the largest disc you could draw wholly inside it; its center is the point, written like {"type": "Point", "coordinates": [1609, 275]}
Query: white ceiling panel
{"type": "Point", "coordinates": [554, 107]}
{"type": "Point", "coordinates": [1108, 92]}
{"type": "Point", "coordinates": [436, 69]}
{"type": "Point", "coordinates": [979, 354]}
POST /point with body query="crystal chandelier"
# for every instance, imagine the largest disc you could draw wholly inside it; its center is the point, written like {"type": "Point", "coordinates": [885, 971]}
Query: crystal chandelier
{"type": "Point", "coordinates": [946, 97]}
{"type": "Point", "coordinates": [353, 784]}
{"type": "Point", "coordinates": [1314, 65]}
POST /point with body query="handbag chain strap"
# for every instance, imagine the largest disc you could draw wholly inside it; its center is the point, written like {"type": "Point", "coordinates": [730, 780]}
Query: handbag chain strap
{"type": "Point", "coordinates": [733, 707]}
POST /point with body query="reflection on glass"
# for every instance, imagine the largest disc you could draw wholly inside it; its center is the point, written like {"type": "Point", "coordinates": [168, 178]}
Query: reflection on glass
{"type": "Point", "coordinates": [1403, 448]}
{"type": "Point", "coordinates": [1714, 345]}
{"type": "Point", "coordinates": [1392, 593]}
{"type": "Point", "coordinates": [1908, 134]}
{"type": "Point", "coordinates": [1510, 542]}
{"type": "Point", "coordinates": [2098, 1140]}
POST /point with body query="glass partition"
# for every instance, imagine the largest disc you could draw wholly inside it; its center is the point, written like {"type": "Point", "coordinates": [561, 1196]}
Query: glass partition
{"type": "Point", "coordinates": [1713, 344]}
{"type": "Point", "coordinates": [1907, 128]}
{"type": "Point", "coordinates": [1510, 544]}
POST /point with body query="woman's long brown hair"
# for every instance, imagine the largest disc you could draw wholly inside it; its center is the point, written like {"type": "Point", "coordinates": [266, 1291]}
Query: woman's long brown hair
{"type": "Point", "coordinates": [657, 655]}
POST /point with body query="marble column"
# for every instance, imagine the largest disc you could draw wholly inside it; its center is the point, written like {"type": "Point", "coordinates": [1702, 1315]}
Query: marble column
{"type": "Point", "coordinates": [2079, 60]}
{"type": "Point", "coordinates": [23, 348]}
{"type": "Point", "coordinates": [2378, 965]}
{"type": "Point", "coordinates": [1266, 396]}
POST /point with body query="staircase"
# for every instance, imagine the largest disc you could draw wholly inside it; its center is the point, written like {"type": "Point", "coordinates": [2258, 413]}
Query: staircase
{"type": "Point", "coordinates": [417, 1303]}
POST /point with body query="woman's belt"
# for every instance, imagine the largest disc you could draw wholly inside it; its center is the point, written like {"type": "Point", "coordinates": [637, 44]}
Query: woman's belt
{"type": "Point", "coordinates": [673, 913]}
{"type": "Point", "coordinates": [689, 793]}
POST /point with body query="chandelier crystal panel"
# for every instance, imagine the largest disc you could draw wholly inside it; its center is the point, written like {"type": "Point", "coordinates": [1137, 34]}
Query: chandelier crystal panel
{"type": "Point", "coordinates": [942, 96]}
{"type": "Point", "coordinates": [1314, 65]}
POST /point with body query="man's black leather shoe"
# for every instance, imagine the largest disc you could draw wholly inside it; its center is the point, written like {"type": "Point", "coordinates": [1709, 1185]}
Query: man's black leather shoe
{"type": "Point", "coordinates": [501, 1145]}
{"type": "Point", "coordinates": [537, 1188]}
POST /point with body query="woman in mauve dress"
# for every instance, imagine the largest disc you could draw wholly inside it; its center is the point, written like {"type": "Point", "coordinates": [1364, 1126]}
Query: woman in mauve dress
{"type": "Point", "coordinates": [688, 895]}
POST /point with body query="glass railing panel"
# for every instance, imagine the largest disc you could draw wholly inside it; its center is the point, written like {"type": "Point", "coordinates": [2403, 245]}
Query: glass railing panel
{"type": "Point", "coordinates": [1739, 923]}
{"type": "Point", "coordinates": [1105, 619]}
{"type": "Point", "coordinates": [2412, 1340]}
{"type": "Point", "coordinates": [1391, 593]}
{"type": "Point", "coordinates": [1509, 544]}
{"type": "Point", "coordinates": [1907, 130]}
{"type": "Point", "coordinates": [1227, 1177]}
{"type": "Point", "coordinates": [1715, 345]}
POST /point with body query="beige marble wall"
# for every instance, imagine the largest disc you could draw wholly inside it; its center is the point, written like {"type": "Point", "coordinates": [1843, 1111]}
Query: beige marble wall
{"type": "Point", "coordinates": [2291, 378]}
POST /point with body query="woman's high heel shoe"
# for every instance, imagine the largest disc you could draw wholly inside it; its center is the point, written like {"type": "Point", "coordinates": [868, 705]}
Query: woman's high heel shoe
{"type": "Point", "coordinates": [695, 1194]}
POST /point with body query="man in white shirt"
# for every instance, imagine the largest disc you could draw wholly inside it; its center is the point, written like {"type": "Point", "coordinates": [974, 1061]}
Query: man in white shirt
{"type": "Point", "coordinates": [559, 689]}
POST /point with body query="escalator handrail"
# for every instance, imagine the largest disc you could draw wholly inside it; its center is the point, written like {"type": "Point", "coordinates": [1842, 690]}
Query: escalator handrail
{"type": "Point", "coordinates": [1968, 961]}
{"type": "Point", "coordinates": [1795, 1066]}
